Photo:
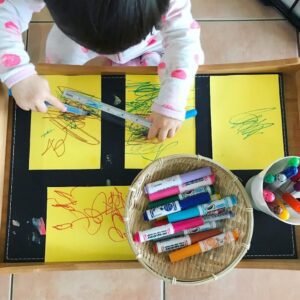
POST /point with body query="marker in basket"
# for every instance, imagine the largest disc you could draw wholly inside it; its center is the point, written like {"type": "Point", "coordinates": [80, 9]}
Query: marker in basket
{"type": "Point", "coordinates": [166, 230]}
{"type": "Point", "coordinates": [176, 180]}
{"type": "Point", "coordinates": [183, 241]}
{"type": "Point", "coordinates": [204, 246]}
{"type": "Point", "coordinates": [188, 186]}
{"type": "Point", "coordinates": [172, 207]}
{"type": "Point", "coordinates": [204, 189]}
{"type": "Point", "coordinates": [203, 209]}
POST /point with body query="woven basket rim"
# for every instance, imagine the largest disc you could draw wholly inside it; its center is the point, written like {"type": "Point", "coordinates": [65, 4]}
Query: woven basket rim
{"type": "Point", "coordinates": [245, 245]}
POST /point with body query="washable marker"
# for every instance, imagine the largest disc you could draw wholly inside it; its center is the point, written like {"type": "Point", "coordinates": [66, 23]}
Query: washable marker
{"type": "Point", "coordinates": [203, 209]}
{"type": "Point", "coordinates": [166, 230]}
{"type": "Point", "coordinates": [172, 207]}
{"type": "Point", "coordinates": [188, 186]}
{"type": "Point", "coordinates": [296, 190]}
{"type": "Point", "coordinates": [269, 178]}
{"type": "Point", "coordinates": [204, 246]}
{"type": "Point", "coordinates": [282, 178]}
{"type": "Point", "coordinates": [220, 217]}
{"type": "Point", "coordinates": [206, 226]}
{"type": "Point", "coordinates": [279, 209]}
{"type": "Point", "coordinates": [183, 241]}
{"type": "Point", "coordinates": [72, 109]}
{"type": "Point", "coordinates": [169, 208]}
{"type": "Point", "coordinates": [297, 176]}
{"type": "Point", "coordinates": [291, 201]}
{"type": "Point", "coordinates": [176, 180]}
{"type": "Point", "coordinates": [294, 162]}
{"type": "Point", "coordinates": [203, 189]}
{"type": "Point", "coordinates": [268, 195]}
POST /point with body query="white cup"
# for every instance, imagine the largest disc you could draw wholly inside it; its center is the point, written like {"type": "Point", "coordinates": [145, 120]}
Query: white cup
{"type": "Point", "coordinates": [254, 187]}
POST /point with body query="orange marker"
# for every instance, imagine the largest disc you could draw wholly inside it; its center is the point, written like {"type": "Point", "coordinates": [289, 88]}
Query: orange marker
{"type": "Point", "coordinates": [204, 246]}
{"type": "Point", "coordinates": [279, 209]}
{"type": "Point", "coordinates": [291, 201]}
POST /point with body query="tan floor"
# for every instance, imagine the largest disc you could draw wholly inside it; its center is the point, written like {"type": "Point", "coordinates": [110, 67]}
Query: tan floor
{"type": "Point", "coordinates": [232, 31]}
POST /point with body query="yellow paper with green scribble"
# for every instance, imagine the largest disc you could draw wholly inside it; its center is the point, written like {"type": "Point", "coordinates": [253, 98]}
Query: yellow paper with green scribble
{"type": "Point", "coordinates": [141, 91]}
{"type": "Point", "coordinates": [246, 120]}
{"type": "Point", "coordinates": [62, 140]}
{"type": "Point", "coordinates": [86, 224]}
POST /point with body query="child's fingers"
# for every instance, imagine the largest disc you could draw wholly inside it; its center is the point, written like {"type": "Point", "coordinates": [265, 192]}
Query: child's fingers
{"type": "Point", "coordinates": [56, 103]}
{"type": "Point", "coordinates": [153, 131]}
{"type": "Point", "coordinates": [172, 132]}
{"type": "Point", "coordinates": [41, 107]}
{"type": "Point", "coordinates": [162, 135]}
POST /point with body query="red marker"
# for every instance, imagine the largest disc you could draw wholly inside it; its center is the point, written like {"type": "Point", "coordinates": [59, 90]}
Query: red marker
{"type": "Point", "coordinates": [291, 201]}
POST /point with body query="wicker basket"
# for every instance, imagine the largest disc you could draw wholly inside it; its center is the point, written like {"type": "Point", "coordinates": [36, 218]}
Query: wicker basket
{"type": "Point", "coordinates": [200, 268]}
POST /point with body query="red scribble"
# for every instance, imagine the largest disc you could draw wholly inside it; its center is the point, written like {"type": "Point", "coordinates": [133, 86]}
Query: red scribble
{"type": "Point", "coordinates": [92, 217]}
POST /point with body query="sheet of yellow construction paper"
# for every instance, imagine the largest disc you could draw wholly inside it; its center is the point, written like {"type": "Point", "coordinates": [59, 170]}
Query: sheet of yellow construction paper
{"type": "Point", "coordinates": [246, 120]}
{"type": "Point", "coordinates": [141, 91]}
{"type": "Point", "coordinates": [86, 224]}
{"type": "Point", "coordinates": [66, 141]}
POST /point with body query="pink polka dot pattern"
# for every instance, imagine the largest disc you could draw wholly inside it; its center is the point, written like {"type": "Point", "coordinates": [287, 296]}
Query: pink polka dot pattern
{"type": "Point", "coordinates": [84, 50]}
{"type": "Point", "coordinates": [164, 19]}
{"type": "Point", "coordinates": [10, 60]}
{"type": "Point", "coordinates": [151, 41]}
{"type": "Point", "coordinates": [162, 65]}
{"type": "Point", "coordinates": [179, 74]}
{"type": "Point", "coordinates": [2, 1]}
{"type": "Point", "coordinates": [169, 106]}
{"type": "Point", "coordinates": [195, 25]}
{"type": "Point", "coordinates": [11, 26]}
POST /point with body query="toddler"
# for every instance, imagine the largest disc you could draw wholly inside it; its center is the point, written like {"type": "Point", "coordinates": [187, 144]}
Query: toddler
{"type": "Point", "coordinates": [158, 33]}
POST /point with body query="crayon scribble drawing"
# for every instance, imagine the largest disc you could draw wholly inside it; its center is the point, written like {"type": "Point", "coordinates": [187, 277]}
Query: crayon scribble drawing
{"type": "Point", "coordinates": [141, 91]}
{"type": "Point", "coordinates": [62, 140]}
{"type": "Point", "coordinates": [86, 224]}
{"type": "Point", "coordinates": [246, 120]}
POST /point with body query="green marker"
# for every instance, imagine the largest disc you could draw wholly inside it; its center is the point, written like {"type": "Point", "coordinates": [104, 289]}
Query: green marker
{"type": "Point", "coordinates": [205, 189]}
{"type": "Point", "coordinates": [269, 178]}
{"type": "Point", "coordinates": [294, 162]}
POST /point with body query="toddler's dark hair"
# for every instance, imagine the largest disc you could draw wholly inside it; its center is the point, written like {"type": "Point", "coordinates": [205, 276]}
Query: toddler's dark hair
{"type": "Point", "coordinates": [107, 26]}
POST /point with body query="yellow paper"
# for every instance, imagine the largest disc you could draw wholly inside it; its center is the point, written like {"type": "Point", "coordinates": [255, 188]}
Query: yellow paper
{"type": "Point", "coordinates": [141, 91]}
{"type": "Point", "coordinates": [86, 224]}
{"type": "Point", "coordinates": [66, 141]}
{"type": "Point", "coordinates": [246, 120]}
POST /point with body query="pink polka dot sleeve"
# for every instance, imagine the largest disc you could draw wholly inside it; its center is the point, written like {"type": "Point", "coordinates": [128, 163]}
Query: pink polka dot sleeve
{"type": "Point", "coordinates": [182, 56]}
{"type": "Point", "coordinates": [15, 16]}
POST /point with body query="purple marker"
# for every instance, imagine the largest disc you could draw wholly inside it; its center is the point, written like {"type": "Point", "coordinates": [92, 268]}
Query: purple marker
{"type": "Point", "coordinates": [177, 180]}
{"type": "Point", "coordinates": [296, 192]}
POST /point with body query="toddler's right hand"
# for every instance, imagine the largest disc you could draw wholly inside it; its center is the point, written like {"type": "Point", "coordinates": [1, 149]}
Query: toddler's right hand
{"type": "Point", "coordinates": [32, 92]}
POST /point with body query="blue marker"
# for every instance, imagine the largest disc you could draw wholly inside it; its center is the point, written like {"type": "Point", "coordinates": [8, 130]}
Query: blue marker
{"type": "Point", "coordinates": [172, 207]}
{"type": "Point", "coordinates": [72, 109]}
{"type": "Point", "coordinates": [191, 114]}
{"type": "Point", "coordinates": [203, 209]}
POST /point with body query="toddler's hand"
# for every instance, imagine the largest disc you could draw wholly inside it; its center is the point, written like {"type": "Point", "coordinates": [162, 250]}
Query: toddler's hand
{"type": "Point", "coordinates": [32, 92]}
{"type": "Point", "coordinates": [162, 126]}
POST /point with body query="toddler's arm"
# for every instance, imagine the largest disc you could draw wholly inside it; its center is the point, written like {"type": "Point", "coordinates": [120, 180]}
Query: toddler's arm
{"type": "Point", "coordinates": [183, 54]}
{"type": "Point", "coordinates": [29, 90]}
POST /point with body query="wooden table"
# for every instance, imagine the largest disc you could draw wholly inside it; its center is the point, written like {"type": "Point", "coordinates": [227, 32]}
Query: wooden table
{"type": "Point", "coordinates": [290, 68]}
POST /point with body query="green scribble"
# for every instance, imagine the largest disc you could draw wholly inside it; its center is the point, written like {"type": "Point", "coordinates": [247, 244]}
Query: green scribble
{"type": "Point", "coordinates": [251, 123]}
{"type": "Point", "coordinates": [46, 133]}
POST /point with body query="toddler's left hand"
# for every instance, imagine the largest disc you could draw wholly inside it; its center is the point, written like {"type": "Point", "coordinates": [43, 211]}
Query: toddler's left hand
{"type": "Point", "coordinates": [162, 126]}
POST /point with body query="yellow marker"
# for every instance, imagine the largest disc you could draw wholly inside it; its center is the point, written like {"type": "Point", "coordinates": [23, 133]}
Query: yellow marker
{"type": "Point", "coordinates": [279, 209]}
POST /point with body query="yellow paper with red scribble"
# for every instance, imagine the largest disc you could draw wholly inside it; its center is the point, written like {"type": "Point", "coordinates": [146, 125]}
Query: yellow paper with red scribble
{"type": "Point", "coordinates": [141, 91]}
{"type": "Point", "coordinates": [86, 224]}
{"type": "Point", "coordinates": [63, 140]}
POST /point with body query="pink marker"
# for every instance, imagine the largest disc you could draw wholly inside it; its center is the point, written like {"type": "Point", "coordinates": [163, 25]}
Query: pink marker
{"type": "Point", "coordinates": [268, 196]}
{"type": "Point", "coordinates": [175, 190]}
{"type": "Point", "coordinates": [166, 230]}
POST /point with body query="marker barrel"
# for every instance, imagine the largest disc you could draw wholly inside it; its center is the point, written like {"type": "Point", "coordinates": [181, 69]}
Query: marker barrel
{"type": "Point", "coordinates": [204, 246]}
{"type": "Point", "coordinates": [189, 186]}
{"type": "Point", "coordinates": [179, 197]}
{"type": "Point", "coordinates": [177, 180]}
{"type": "Point", "coordinates": [203, 209]}
{"type": "Point", "coordinates": [182, 241]}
